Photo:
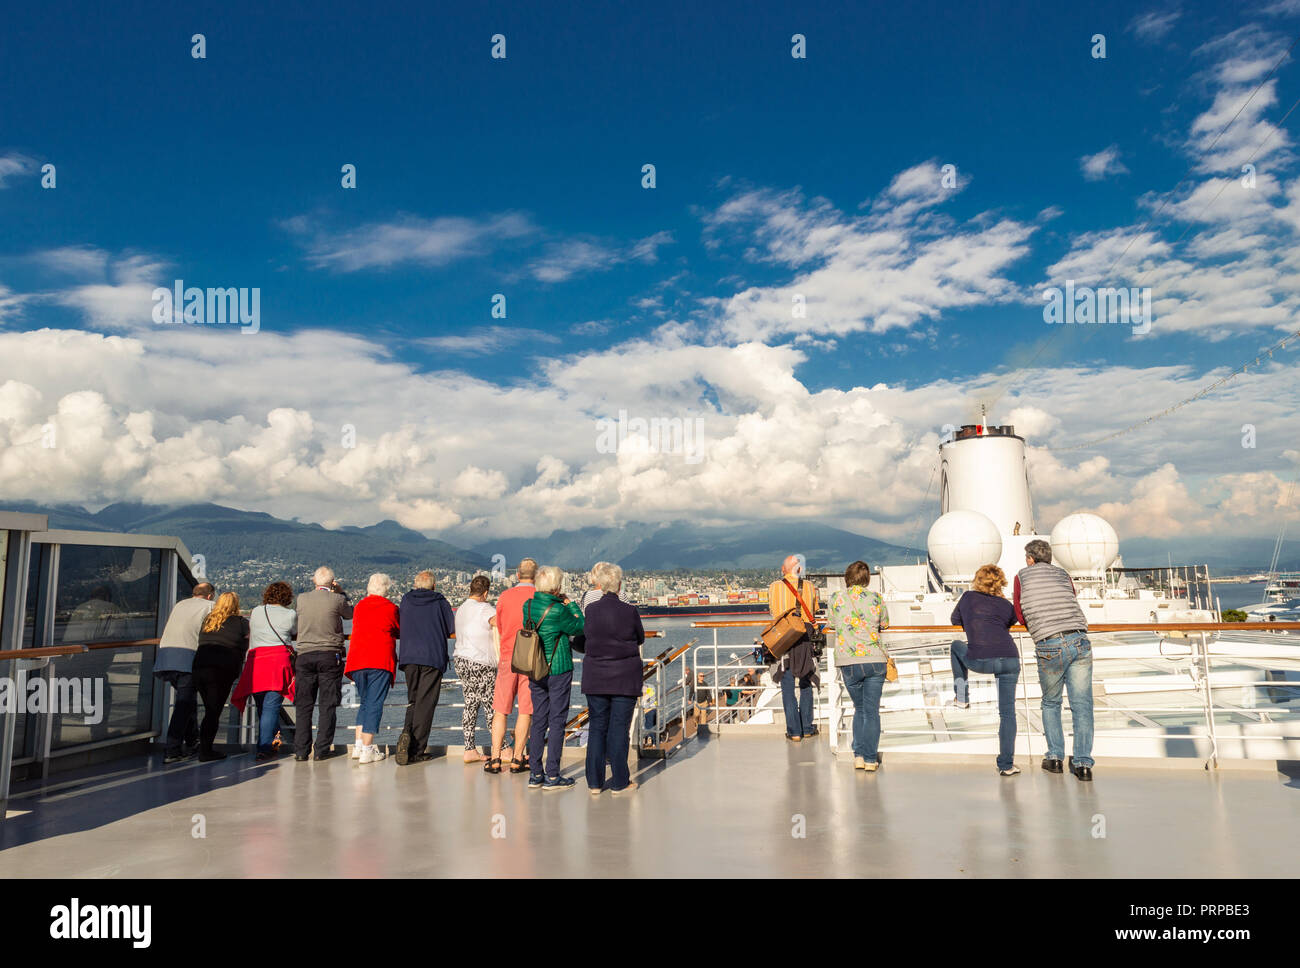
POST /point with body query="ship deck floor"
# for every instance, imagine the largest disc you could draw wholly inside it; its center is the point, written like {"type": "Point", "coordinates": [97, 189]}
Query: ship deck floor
{"type": "Point", "coordinates": [732, 805]}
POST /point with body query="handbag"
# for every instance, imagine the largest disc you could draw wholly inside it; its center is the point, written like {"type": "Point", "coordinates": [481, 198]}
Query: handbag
{"type": "Point", "coordinates": [816, 637]}
{"type": "Point", "coordinates": [891, 670]}
{"type": "Point", "coordinates": [529, 658]}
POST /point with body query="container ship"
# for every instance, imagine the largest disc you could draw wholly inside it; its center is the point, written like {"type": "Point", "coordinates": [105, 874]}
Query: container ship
{"type": "Point", "coordinates": [693, 605]}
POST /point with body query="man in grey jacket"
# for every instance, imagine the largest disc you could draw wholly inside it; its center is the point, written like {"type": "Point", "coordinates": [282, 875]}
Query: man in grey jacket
{"type": "Point", "coordinates": [318, 669]}
{"type": "Point", "coordinates": [1046, 605]}
{"type": "Point", "coordinates": [175, 665]}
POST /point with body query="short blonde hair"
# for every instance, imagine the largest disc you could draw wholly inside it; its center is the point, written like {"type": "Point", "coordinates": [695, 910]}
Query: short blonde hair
{"type": "Point", "coordinates": [379, 584]}
{"type": "Point", "coordinates": [593, 576]}
{"type": "Point", "coordinates": [608, 577]}
{"type": "Point", "coordinates": [990, 579]}
{"type": "Point", "coordinates": [549, 579]}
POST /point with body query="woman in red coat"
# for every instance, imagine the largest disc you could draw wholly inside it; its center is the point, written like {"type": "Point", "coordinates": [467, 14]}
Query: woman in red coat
{"type": "Point", "coordinates": [372, 660]}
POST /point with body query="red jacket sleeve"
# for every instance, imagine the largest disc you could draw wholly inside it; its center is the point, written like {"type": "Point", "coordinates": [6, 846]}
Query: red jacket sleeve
{"type": "Point", "coordinates": [1015, 600]}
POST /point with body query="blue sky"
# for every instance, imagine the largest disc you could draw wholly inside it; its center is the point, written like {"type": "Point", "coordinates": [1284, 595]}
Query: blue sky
{"type": "Point", "coordinates": [522, 176]}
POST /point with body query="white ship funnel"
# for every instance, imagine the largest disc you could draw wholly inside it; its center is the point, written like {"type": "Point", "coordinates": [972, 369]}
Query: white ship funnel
{"type": "Point", "coordinates": [983, 469]}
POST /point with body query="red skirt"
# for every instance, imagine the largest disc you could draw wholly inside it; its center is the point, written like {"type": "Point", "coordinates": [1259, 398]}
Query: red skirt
{"type": "Point", "coordinates": [267, 669]}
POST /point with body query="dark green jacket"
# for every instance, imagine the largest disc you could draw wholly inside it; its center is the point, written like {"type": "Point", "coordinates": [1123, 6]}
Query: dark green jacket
{"type": "Point", "coordinates": [561, 622]}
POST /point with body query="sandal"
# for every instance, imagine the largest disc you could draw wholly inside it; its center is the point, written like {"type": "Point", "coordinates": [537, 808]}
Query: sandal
{"type": "Point", "coordinates": [493, 765]}
{"type": "Point", "coordinates": [519, 766]}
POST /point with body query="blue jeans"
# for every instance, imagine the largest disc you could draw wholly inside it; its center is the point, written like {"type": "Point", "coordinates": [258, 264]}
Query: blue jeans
{"type": "Point", "coordinates": [1007, 671]}
{"type": "Point", "coordinates": [1065, 661]}
{"type": "Point", "coordinates": [268, 718]}
{"type": "Point", "coordinates": [607, 738]}
{"type": "Point", "coordinates": [372, 688]}
{"type": "Point", "coordinates": [865, 681]}
{"type": "Point", "coordinates": [550, 713]}
{"type": "Point", "coordinates": [798, 715]}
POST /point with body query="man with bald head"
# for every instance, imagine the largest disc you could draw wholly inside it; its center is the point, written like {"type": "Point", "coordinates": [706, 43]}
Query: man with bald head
{"type": "Point", "coordinates": [798, 666]}
{"type": "Point", "coordinates": [175, 666]}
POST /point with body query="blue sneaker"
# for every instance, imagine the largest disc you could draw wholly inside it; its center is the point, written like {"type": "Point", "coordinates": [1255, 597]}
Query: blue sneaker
{"type": "Point", "coordinates": [561, 783]}
{"type": "Point", "coordinates": [536, 781]}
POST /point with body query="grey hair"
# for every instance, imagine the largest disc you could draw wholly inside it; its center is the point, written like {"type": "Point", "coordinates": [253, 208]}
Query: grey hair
{"type": "Point", "coordinates": [593, 576]}
{"type": "Point", "coordinates": [608, 577]}
{"type": "Point", "coordinates": [425, 579]}
{"type": "Point", "coordinates": [549, 579]}
{"type": "Point", "coordinates": [1039, 550]}
{"type": "Point", "coordinates": [379, 584]}
{"type": "Point", "coordinates": [323, 575]}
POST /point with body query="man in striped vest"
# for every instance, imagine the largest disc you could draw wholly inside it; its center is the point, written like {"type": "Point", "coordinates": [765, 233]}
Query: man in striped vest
{"type": "Point", "coordinates": [1046, 605]}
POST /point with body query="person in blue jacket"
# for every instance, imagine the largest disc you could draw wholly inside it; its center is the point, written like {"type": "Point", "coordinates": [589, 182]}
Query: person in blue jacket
{"type": "Point", "coordinates": [611, 680]}
{"type": "Point", "coordinates": [427, 621]}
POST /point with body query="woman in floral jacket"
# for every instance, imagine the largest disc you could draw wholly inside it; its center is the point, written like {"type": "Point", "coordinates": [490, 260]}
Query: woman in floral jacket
{"type": "Point", "coordinates": [858, 615]}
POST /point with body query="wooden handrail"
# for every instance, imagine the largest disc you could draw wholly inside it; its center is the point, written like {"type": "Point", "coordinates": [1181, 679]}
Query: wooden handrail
{"type": "Point", "coordinates": [43, 652]}
{"type": "Point", "coordinates": [1098, 627]}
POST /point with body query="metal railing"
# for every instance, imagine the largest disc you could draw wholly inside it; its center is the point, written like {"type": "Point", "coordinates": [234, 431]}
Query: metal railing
{"type": "Point", "coordinates": [1169, 686]}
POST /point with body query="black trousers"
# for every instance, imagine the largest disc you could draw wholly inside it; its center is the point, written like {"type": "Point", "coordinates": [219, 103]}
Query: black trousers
{"type": "Point", "coordinates": [184, 725]}
{"type": "Point", "coordinates": [213, 684]}
{"type": "Point", "coordinates": [423, 687]}
{"type": "Point", "coordinates": [318, 677]}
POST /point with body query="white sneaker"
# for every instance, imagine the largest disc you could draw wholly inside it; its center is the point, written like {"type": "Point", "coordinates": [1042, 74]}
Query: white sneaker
{"type": "Point", "coordinates": [373, 754]}
{"type": "Point", "coordinates": [354, 750]}
{"type": "Point", "coordinates": [1010, 771]}
{"type": "Point", "coordinates": [954, 704]}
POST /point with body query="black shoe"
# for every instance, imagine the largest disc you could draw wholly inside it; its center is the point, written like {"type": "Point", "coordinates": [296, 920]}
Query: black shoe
{"type": "Point", "coordinates": [190, 749]}
{"type": "Point", "coordinates": [264, 757]}
{"type": "Point", "coordinates": [300, 757]}
{"type": "Point", "coordinates": [1052, 766]}
{"type": "Point", "coordinates": [404, 748]}
{"type": "Point", "coordinates": [1082, 772]}
{"type": "Point", "coordinates": [212, 757]}
{"type": "Point", "coordinates": [170, 758]}
{"type": "Point", "coordinates": [327, 754]}
{"type": "Point", "coordinates": [422, 757]}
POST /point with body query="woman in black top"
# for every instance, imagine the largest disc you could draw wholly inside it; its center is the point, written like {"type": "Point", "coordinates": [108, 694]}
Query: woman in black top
{"type": "Point", "coordinates": [223, 643]}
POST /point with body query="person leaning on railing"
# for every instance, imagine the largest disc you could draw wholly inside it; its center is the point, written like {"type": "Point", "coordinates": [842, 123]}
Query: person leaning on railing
{"type": "Point", "coordinates": [611, 680]}
{"type": "Point", "coordinates": [857, 614]}
{"type": "Point", "coordinates": [987, 618]}
{"type": "Point", "coordinates": [318, 668]}
{"type": "Point", "coordinates": [175, 665]}
{"type": "Point", "coordinates": [798, 666]}
{"type": "Point", "coordinates": [556, 619]}
{"type": "Point", "coordinates": [427, 623]}
{"type": "Point", "coordinates": [1045, 603]}
{"type": "Point", "coordinates": [223, 642]}
{"type": "Point", "coordinates": [372, 661]}
{"type": "Point", "coordinates": [268, 670]}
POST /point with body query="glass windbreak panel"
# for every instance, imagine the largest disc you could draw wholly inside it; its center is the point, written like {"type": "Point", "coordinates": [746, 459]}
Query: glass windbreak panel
{"type": "Point", "coordinates": [32, 613]}
{"type": "Point", "coordinates": [104, 595]}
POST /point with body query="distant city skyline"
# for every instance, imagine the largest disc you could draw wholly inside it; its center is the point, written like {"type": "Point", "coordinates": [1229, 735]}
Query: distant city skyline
{"type": "Point", "coordinates": [652, 264]}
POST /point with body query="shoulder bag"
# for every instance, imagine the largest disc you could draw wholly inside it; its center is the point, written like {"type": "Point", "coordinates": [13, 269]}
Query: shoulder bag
{"type": "Point", "coordinates": [529, 658]}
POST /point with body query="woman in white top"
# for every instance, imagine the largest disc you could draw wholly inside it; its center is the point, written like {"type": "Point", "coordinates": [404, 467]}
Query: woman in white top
{"type": "Point", "coordinates": [475, 659]}
{"type": "Point", "coordinates": [268, 670]}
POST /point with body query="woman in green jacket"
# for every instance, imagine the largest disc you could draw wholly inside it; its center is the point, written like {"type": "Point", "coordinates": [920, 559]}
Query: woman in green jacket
{"type": "Point", "coordinates": [557, 619]}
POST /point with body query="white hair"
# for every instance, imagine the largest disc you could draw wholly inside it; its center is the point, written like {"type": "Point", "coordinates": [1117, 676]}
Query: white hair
{"type": "Point", "coordinates": [608, 576]}
{"type": "Point", "coordinates": [425, 579]}
{"type": "Point", "coordinates": [791, 566]}
{"type": "Point", "coordinates": [379, 584]}
{"type": "Point", "coordinates": [549, 579]}
{"type": "Point", "coordinates": [593, 576]}
{"type": "Point", "coordinates": [323, 575]}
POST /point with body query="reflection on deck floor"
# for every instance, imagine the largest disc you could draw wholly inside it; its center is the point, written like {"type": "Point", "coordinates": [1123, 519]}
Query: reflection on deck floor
{"type": "Point", "coordinates": [724, 806]}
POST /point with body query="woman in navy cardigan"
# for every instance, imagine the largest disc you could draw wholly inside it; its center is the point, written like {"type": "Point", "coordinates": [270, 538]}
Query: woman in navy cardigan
{"type": "Point", "coordinates": [987, 618]}
{"type": "Point", "coordinates": [611, 680]}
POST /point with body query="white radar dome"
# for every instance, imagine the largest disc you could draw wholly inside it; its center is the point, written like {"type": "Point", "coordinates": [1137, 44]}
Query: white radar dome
{"type": "Point", "coordinates": [960, 542]}
{"type": "Point", "coordinates": [1085, 545]}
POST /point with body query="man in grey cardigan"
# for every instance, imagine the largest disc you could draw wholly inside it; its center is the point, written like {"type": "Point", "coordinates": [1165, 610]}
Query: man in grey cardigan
{"type": "Point", "coordinates": [318, 668]}
{"type": "Point", "coordinates": [175, 665]}
{"type": "Point", "coordinates": [1046, 605]}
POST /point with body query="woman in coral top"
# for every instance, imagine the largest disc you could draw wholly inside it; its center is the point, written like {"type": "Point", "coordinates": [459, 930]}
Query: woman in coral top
{"type": "Point", "coordinates": [372, 660]}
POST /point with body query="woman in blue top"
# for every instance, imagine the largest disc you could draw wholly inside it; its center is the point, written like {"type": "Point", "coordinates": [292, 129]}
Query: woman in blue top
{"type": "Point", "coordinates": [987, 618]}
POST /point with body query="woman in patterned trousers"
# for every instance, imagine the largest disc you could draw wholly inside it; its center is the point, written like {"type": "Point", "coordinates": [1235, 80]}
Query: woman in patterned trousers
{"type": "Point", "coordinates": [476, 661]}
